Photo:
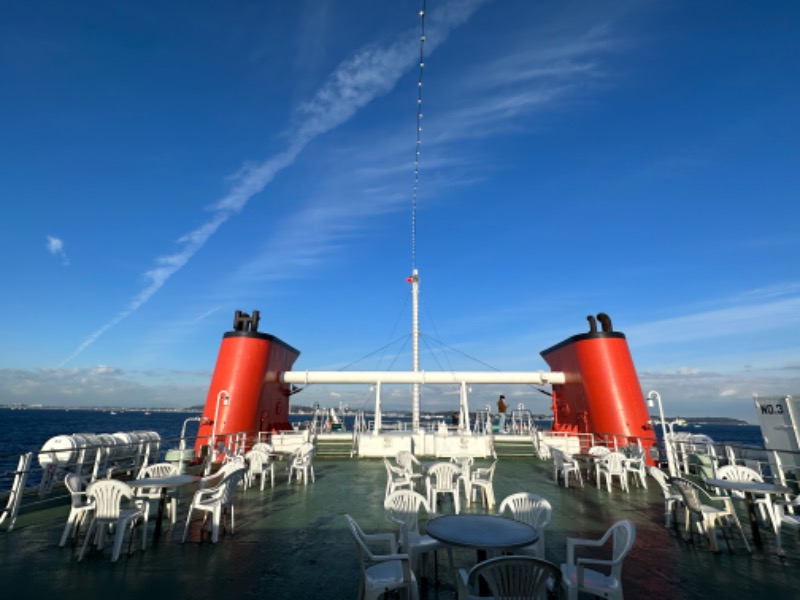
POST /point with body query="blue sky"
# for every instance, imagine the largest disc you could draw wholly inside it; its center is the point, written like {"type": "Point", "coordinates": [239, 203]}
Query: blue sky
{"type": "Point", "coordinates": [164, 164]}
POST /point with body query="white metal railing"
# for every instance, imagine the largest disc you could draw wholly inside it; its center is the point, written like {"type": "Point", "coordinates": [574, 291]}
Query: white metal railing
{"type": "Point", "coordinates": [11, 510]}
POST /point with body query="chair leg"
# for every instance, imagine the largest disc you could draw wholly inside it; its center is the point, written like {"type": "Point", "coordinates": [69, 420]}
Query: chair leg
{"type": "Point", "coordinates": [186, 528]}
{"type": "Point", "coordinates": [71, 520]}
{"type": "Point", "coordinates": [88, 540]}
{"type": "Point", "coordinates": [215, 519]}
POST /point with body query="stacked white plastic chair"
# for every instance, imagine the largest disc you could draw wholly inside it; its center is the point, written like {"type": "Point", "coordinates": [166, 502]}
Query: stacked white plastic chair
{"type": "Point", "coordinates": [577, 574]}
{"type": "Point", "coordinates": [108, 497]}
{"type": "Point", "coordinates": [381, 573]}
{"type": "Point", "coordinates": [533, 510]}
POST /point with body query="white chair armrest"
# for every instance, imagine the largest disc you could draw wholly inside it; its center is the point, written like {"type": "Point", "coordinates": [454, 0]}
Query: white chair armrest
{"type": "Point", "coordinates": [583, 562]}
{"type": "Point", "coordinates": [388, 538]}
{"type": "Point", "coordinates": [573, 543]}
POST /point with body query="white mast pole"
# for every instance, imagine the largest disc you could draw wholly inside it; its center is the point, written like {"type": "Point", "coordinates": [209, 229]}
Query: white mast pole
{"type": "Point", "coordinates": [378, 410]}
{"type": "Point", "coordinates": [415, 347]}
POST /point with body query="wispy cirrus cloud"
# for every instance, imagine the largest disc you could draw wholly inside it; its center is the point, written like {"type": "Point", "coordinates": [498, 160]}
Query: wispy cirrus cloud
{"type": "Point", "coordinates": [755, 316]}
{"type": "Point", "coordinates": [370, 72]}
{"type": "Point", "coordinates": [499, 95]}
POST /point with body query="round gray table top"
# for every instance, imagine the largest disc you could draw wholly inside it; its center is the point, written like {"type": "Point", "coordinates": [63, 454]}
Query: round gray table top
{"type": "Point", "coordinates": [485, 532]}
{"type": "Point", "coordinates": [761, 487]}
{"type": "Point", "coordinates": [164, 482]}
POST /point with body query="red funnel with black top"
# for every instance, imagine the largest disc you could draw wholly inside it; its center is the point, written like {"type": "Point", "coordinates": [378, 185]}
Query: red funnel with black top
{"type": "Point", "coordinates": [601, 393]}
{"type": "Point", "coordinates": [246, 395]}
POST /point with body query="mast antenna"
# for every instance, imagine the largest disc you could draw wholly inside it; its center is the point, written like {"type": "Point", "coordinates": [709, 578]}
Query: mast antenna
{"type": "Point", "coordinates": [414, 279]}
{"type": "Point", "coordinates": [415, 194]}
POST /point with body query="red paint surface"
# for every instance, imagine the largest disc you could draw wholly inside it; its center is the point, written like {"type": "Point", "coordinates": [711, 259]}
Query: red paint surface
{"type": "Point", "coordinates": [602, 393]}
{"type": "Point", "coordinates": [248, 369]}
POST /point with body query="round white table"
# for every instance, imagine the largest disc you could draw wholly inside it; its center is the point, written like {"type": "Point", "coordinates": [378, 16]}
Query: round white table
{"type": "Point", "coordinates": [482, 532]}
{"type": "Point", "coordinates": [749, 489]}
{"type": "Point", "coordinates": [164, 483]}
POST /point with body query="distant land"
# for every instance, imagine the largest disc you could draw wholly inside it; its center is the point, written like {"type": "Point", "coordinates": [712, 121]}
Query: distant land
{"type": "Point", "coordinates": [308, 410]}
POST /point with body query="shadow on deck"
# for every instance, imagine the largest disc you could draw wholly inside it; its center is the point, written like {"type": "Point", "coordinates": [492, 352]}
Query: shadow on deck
{"type": "Point", "coordinates": [292, 542]}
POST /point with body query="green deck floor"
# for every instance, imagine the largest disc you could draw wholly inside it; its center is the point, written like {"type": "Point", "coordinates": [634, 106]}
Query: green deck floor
{"type": "Point", "coordinates": [291, 542]}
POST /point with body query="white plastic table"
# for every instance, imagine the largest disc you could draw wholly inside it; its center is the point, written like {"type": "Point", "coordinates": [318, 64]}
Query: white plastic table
{"type": "Point", "coordinates": [165, 483]}
{"type": "Point", "coordinates": [482, 532]}
{"type": "Point", "coordinates": [750, 489]}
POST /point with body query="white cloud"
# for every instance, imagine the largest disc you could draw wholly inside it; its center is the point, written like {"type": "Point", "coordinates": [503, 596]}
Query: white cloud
{"type": "Point", "coordinates": [55, 246]}
{"type": "Point", "coordinates": [370, 72]}
{"type": "Point", "coordinates": [734, 320]}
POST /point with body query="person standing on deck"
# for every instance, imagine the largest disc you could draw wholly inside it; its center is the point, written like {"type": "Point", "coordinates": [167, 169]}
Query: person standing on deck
{"type": "Point", "coordinates": [501, 409]}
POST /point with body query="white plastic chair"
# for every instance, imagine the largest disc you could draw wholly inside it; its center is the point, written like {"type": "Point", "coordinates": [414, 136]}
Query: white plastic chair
{"type": "Point", "coordinates": [781, 519]}
{"type": "Point", "coordinates": [636, 464]}
{"type": "Point", "coordinates": [301, 464]}
{"type": "Point", "coordinates": [214, 479]}
{"type": "Point", "coordinates": [598, 452]}
{"type": "Point", "coordinates": [565, 464]}
{"type": "Point", "coordinates": [262, 447]}
{"type": "Point", "coordinates": [80, 506]}
{"type": "Point", "coordinates": [403, 507]}
{"type": "Point", "coordinates": [576, 577]}
{"type": "Point", "coordinates": [443, 478]}
{"type": "Point", "coordinates": [397, 478]}
{"type": "Point", "coordinates": [465, 464]}
{"type": "Point", "coordinates": [510, 577]}
{"type": "Point", "coordinates": [742, 473]}
{"type": "Point", "coordinates": [483, 481]}
{"type": "Point", "coordinates": [153, 494]}
{"type": "Point", "coordinates": [533, 510]}
{"type": "Point", "coordinates": [707, 516]}
{"type": "Point", "coordinates": [381, 573]}
{"type": "Point", "coordinates": [108, 495]}
{"type": "Point", "coordinates": [408, 462]}
{"type": "Point", "coordinates": [215, 501]}
{"type": "Point", "coordinates": [612, 465]}
{"type": "Point", "coordinates": [258, 465]}
{"type": "Point", "coordinates": [672, 498]}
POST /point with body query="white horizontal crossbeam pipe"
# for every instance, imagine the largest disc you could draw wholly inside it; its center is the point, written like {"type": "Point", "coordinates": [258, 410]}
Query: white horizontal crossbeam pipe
{"type": "Point", "coordinates": [423, 377]}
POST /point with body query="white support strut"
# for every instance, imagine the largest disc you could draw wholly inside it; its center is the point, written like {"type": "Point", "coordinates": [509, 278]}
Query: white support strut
{"type": "Point", "coordinates": [423, 377]}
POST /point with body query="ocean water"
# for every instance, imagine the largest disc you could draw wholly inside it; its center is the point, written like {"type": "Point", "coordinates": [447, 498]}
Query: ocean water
{"type": "Point", "coordinates": [28, 430]}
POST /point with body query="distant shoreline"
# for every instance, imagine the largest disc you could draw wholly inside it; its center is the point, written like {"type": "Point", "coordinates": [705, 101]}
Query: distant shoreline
{"type": "Point", "coordinates": [308, 411]}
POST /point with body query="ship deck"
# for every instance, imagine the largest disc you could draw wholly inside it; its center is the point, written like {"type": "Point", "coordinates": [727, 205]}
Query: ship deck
{"type": "Point", "coordinates": [291, 542]}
